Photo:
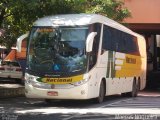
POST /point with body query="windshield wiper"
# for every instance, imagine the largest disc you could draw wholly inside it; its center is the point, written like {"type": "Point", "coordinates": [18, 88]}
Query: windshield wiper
{"type": "Point", "coordinates": [76, 70]}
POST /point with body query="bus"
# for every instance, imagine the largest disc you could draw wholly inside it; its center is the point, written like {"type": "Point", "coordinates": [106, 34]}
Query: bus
{"type": "Point", "coordinates": [83, 56]}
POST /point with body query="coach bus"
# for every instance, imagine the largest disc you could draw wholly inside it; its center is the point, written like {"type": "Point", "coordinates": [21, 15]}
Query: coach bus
{"type": "Point", "coordinates": [83, 56]}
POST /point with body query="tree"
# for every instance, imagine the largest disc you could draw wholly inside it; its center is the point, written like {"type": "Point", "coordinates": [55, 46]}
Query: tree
{"type": "Point", "coordinates": [5, 16]}
{"type": "Point", "coordinates": [17, 16]}
{"type": "Point", "coordinates": [113, 9]}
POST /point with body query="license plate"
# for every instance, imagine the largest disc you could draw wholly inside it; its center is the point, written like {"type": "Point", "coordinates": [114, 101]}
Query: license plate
{"type": "Point", "coordinates": [52, 93]}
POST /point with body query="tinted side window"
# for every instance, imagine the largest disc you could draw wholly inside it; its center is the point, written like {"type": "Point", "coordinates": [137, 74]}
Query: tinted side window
{"type": "Point", "coordinates": [121, 42]}
{"type": "Point", "coordinates": [109, 40]}
{"type": "Point", "coordinates": [131, 44]}
{"type": "Point", "coordinates": [106, 43]}
{"type": "Point", "coordinates": [116, 40]}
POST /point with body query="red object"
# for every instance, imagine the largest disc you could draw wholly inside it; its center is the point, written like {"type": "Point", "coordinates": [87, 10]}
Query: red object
{"type": "Point", "coordinates": [1, 68]}
{"type": "Point", "coordinates": [18, 69]}
{"type": "Point", "coordinates": [52, 93]}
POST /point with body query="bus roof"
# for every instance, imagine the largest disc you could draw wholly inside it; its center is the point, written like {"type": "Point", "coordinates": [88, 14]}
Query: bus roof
{"type": "Point", "coordinates": [80, 19]}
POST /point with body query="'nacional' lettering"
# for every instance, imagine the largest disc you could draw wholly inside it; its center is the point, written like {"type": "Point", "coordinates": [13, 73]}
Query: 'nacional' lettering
{"type": "Point", "coordinates": [66, 80]}
{"type": "Point", "coordinates": [59, 80]}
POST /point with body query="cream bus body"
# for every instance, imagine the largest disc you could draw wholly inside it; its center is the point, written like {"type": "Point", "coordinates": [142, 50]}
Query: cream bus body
{"type": "Point", "coordinates": [110, 68]}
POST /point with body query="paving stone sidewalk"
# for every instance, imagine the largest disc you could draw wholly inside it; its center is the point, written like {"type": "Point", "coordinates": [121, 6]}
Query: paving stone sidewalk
{"type": "Point", "coordinates": [11, 90]}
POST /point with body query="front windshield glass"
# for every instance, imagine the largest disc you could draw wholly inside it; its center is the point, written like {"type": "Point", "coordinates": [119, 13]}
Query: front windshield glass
{"type": "Point", "coordinates": [57, 50]}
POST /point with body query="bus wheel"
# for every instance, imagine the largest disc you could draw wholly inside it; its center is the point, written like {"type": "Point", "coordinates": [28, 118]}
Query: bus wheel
{"type": "Point", "coordinates": [135, 89]}
{"type": "Point", "coordinates": [101, 92]}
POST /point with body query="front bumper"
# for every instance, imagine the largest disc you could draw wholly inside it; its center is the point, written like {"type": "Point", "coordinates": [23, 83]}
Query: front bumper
{"type": "Point", "coordinates": [77, 92]}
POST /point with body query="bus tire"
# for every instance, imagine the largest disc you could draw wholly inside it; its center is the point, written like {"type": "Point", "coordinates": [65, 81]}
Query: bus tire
{"type": "Point", "coordinates": [101, 96]}
{"type": "Point", "coordinates": [135, 89]}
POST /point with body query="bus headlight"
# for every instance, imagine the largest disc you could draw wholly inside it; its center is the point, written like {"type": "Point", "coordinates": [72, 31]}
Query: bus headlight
{"type": "Point", "coordinates": [86, 79]}
{"type": "Point", "coordinates": [29, 79]}
{"type": "Point", "coordinates": [80, 82]}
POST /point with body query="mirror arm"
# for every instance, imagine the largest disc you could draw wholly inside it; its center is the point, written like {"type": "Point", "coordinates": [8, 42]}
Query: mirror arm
{"type": "Point", "coordinates": [89, 41]}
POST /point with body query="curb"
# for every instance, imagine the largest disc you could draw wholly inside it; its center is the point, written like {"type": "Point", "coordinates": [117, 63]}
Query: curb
{"type": "Point", "coordinates": [11, 90]}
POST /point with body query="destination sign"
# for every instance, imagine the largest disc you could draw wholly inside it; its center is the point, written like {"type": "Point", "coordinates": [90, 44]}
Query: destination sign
{"type": "Point", "coordinates": [45, 30]}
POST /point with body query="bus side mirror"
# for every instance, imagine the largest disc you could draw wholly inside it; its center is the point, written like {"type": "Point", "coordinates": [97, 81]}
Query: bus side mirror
{"type": "Point", "coordinates": [19, 42]}
{"type": "Point", "coordinates": [89, 41]}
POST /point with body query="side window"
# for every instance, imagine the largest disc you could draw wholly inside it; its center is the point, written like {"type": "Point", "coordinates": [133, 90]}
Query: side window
{"type": "Point", "coordinates": [132, 45]}
{"type": "Point", "coordinates": [93, 55]}
{"type": "Point", "coordinates": [126, 43]}
{"type": "Point", "coordinates": [109, 38]}
{"type": "Point", "coordinates": [136, 45]}
{"type": "Point", "coordinates": [107, 35]}
{"type": "Point", "coordinates": [121, 42]}
{"type": "Point", "coordinates": [116, 40]}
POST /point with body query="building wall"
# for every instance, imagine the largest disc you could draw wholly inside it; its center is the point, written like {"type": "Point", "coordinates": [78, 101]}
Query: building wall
{"type": "Point", "coordinates": [143, 11]}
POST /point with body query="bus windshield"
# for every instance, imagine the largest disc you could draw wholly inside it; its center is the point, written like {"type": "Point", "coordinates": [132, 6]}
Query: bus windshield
{"type": "Point", "coordinates": [57, 50]}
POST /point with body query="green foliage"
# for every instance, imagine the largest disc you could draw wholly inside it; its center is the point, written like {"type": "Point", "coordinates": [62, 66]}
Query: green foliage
{"type": "Point", "coordinates": [113, 9]}
{"type": "Point", "coordinates": [17, 16]}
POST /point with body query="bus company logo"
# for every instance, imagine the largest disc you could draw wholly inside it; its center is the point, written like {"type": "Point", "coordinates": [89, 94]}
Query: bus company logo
{"type": "Point", "coordinates": [130, 60]}
{"type": "Point", "coordinates": [57, 80]}
{"type": "Point", "coordinates": [56, 67]}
